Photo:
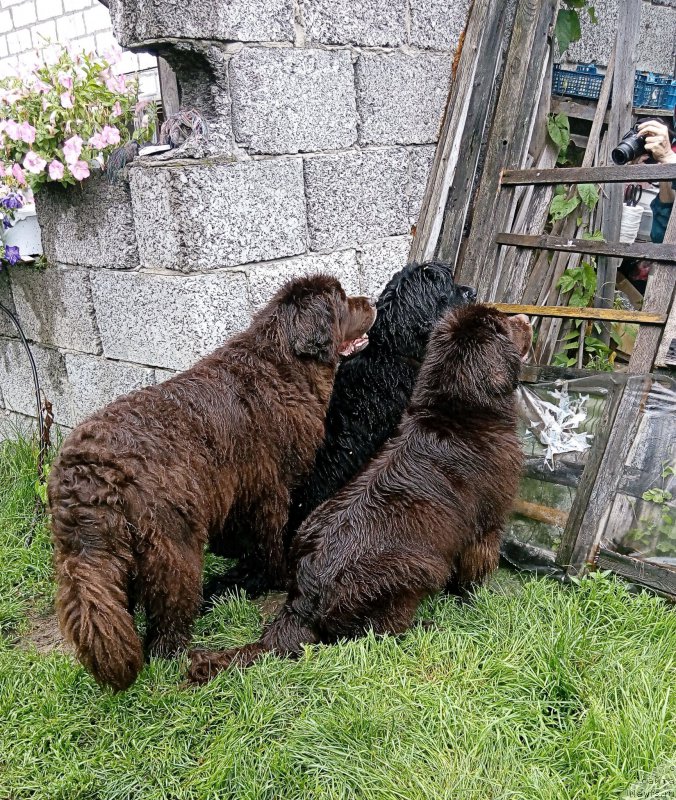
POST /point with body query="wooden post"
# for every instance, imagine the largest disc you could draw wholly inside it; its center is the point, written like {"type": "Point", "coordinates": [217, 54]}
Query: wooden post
{"type": "Point", "coordinates": [168, 88]}
{"type": "Point", "coordinates": [626, 54]}
{"type": "Point", "coordinates": [457, 155]}
{"type": "Point", "coordinates": [508, 142]}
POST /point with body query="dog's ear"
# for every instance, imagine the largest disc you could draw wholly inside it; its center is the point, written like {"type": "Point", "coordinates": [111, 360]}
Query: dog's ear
{"type": "Point", "coordinates": [314, 328]}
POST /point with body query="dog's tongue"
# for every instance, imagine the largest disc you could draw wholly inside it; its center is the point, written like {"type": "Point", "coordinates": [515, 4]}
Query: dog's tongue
{"type": "Point", "coordinates": [355, 346]}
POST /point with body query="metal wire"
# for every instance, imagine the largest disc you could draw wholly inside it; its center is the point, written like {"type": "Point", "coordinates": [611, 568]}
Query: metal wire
{"type": "Point", "coordinates": [34, 369]}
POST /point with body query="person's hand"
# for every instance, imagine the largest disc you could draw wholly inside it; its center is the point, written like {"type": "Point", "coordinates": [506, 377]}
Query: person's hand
{"type": "Point", "coordinates": [657, 141]}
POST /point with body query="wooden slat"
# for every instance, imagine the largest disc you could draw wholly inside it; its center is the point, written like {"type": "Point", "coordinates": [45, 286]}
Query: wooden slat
{"type": "Point", "coordinates": [168, 88]}
{"type": "Point", "coordinates": [576, 108]}
{"type": "Point", "coordinates": [653, 252]}
{"type": "Point", "coordinates": [629, 173]}
{"type": "Point", "coordinates": [508, 140]}
{"type": "Point", "coordinates": [540, 513]}
{"type": "Point", "coordinates": [660, 297]}
{"type": "Point", "coordinates": [457, 155]}
{"type": "Point", "coordinates": [662, 579]}
{"type": "Point", "coordinates": [605, 464]}
{"type": "Point", "coordinates": [573, 312]}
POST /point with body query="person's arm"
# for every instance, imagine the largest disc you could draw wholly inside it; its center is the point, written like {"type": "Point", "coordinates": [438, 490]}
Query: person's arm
{"type": "Point", "coordinates": [658, 145]}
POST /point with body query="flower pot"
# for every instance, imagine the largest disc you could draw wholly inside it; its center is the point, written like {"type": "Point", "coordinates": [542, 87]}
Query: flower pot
{"type": "Point", "coordinates": [88, 225]}
{"type": "Point", "coordinates": [25, 234]}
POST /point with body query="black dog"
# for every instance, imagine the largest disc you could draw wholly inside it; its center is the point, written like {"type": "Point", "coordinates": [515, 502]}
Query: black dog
{"type": "Point", "coordinates": [370, 394]}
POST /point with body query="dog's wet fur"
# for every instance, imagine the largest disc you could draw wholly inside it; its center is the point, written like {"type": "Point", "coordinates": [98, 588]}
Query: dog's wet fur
{"type": "Point", "coordinates": [370, 394]}
{"type": "Point", "coordinates": [210, 455]}
{"type": "Point", "coordinates": [428, 509]}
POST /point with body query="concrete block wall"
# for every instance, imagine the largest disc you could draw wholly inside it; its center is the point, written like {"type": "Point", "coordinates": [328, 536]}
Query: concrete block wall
{"type": "Point", "coordinates": [657, 44]}
{"type": "Point", "coordinates": [326, 113]}
{"type": "Point", "coordinates": [27, 25]}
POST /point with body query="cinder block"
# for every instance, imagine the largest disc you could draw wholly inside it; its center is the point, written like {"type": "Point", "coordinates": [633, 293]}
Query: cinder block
{"type": "Point", "coordinates": [44, 33]}
{"type": "Point", "coordinates": [138, 21]}
{"type": "Point", "coordinates": [401, 96]}
{"type": "Point", "coordinates": [265, 279]}
{"type": "Point", "coordinates": [13, 425]}
{"type": "Point", "coordinates": [168, 320]}
{"type": "Point", "coordinates": [369, 23]}
{"type": "Point", "coordinates": [356, 197]}
{"type": "Point", "coordinates": [17, 380]}
{"type": "Point", "coordinates": [6, 24]}
{"type": "Point", "coordinates": [6, 325]}
{"type": "Point", "coordinates": [421, 159]}
{"type": "Point", "coordinates": [656, 42]}
{"type": "Point", "coordinates": [96, 18]}
{"type": "Point", "coordinates": [380, 260]}
{"type": "Point", "coordinates": [437, 24]}
{"type": "Point", "coordinates": [95, 382]}
{"type": "Point", "coordinates": [206, 214]}
{"type": "Point", "coordinates": [90, 225]}
{"type": "Point", "coordinates": [19, 41]}
{"type": "Point", "coordinates": [70, 27]}
{"type": "Point", "coordinates": [76, 5]}
{"type": "Point", "coordinates": [55, 307]}
{"type": "Point", "coordinates": [290, 100]}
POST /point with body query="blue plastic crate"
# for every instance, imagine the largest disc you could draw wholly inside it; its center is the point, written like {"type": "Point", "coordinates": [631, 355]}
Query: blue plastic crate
{"type": "Point", "coordinates": [583, 81]}
{"type": "Point", "coordinates": [654, 91]}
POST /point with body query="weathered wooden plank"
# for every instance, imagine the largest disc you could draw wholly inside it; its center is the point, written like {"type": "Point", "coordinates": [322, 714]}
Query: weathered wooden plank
{"type": "Point", "coordinates": [540, 513]}
{"type": "Point", "coordinates": [601, 476]}
{"type": "Point", "coordinates": [457, 155]}
{"type": "Point", "coordinates": [168, 88]}
{"type": "Point", "coordinates": [535, 373]}
{"type": "Point", "coordinates": [654, 576]}
{"type": "Point", "coordinates": [648, 250]}
{"type": "Point", "coordinates": [573, 312]}
{"type": "Point", "coordinates": [508, 141]}
{"type": "Point", "coordinates": [605, 174]}
{"type": "Point", "coordinates": [562, 474]}
{"type": "Point", "coordinates": [666, 356]}
{"type": "Point", "coordinates": [577, 109]}
{"type": "Point", "coordinates": [660, 297]}
{"type": "Point", "coordinates": [626, 54]}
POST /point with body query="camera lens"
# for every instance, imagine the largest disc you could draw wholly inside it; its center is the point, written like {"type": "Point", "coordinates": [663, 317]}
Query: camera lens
{"type": "Point", "coordinates": [622, 154]}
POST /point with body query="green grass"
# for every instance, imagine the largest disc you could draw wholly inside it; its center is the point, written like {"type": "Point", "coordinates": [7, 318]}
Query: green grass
{"type": "Point", "coordinates": [533, 691]}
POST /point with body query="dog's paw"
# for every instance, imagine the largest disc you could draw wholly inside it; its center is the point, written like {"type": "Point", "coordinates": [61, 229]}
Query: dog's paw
{"type": "Point", "coordinates": [206, 664]}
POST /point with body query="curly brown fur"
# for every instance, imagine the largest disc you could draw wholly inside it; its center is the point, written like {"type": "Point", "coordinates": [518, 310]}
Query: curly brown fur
{"type": "Point", "coordinates": [430, 506]}
{"type": "Point", "coordinates": [141, 486]}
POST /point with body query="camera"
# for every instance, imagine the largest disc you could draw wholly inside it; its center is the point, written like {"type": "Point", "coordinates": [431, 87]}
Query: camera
{"type": "Point", "coordinates": [633, 145]}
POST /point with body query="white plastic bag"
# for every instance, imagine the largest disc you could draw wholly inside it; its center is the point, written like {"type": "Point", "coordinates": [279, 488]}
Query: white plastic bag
{"type": "Point", "coordinates": [631, 221]}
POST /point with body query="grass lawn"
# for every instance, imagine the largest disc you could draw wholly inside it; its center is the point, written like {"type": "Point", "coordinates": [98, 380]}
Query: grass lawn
{"type": "Point", "coordinates": [532, 691]}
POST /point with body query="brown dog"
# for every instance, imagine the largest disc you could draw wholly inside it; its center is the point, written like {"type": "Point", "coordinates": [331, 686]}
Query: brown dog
{"type": "Point", "coordinates": [140, 487]}
{"type": "Point", "coordinates": [429, 507]}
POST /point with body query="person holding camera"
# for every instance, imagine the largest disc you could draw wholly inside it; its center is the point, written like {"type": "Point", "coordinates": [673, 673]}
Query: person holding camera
{"type": "Point", "coordinates": [658, 145]}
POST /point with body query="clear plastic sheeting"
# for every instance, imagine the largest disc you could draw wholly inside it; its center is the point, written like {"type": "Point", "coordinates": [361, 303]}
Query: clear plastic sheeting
{"type": "Point", "coordinates": [641, 521]}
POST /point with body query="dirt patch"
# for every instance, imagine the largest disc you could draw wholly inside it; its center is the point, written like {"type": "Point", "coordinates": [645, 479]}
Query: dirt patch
{"type": "Point", "coordinates": [44, 635]}
{"type": "Point", "coordinates": [270, 604]}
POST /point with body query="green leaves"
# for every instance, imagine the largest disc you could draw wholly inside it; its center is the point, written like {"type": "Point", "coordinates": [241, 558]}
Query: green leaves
{"type": "Point", "coordinates": [589, 194]}
{"type": "Point", "coordinates": [558, 128]}
{"type": "Point", "coordinates": [659, 496]}
{"type": "Point", "coordinates": [567, 28]}
{"type": "Point", "coordinates": [561, 206]}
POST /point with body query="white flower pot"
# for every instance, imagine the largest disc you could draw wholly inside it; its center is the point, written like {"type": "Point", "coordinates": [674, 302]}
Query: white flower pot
{"type": "Point", "coordinates": [25, 234]}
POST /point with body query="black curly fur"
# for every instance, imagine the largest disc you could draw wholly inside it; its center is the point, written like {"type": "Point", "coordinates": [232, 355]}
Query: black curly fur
{"type": "Point", "coordinates": [370, 394]}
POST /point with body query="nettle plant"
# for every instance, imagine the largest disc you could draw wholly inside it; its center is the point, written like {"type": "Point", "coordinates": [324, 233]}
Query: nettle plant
{"type": "Point", "coordinates": [59, 119]}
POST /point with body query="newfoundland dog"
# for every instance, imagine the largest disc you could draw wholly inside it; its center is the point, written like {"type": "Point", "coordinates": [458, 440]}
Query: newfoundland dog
{"type": "Point", "coordinates": [371, 392]}
{"type": "Point", "coordinates": [142, 485]}
{"type": "Point", "coordinates": [430, 505]}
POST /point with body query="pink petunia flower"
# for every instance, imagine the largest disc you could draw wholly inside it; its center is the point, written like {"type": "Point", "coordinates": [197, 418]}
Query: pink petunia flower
{"type": "Point", "coordinates": [34, 163]}
{"type": "Point", "coordinates": [98, 141]}
{"type": "Point", "coordinates": [66, 100]}
{"type": "Point", "coordinates": [56, 170]}
{"type": "Point", "coordinates": [18, 175]}
{"type": "Point", "coordinates": [65, 80]}
{"type": "Point", "coordinates": [79, 170]}
{"type": "Point", "coordinates": [111, 135]}
{"type": "Point", "coordinates": [116, 83]}
{"type": "Point", "coordinates": [13, 130]}
{"type": "Point", "coordinates": [71, 149]}
{"type": "Point", "coordinates": [27, 132]}
{"type": "Point", "coordinates": [117, 110]}
{"type": "Point", "coordinates": [3, 171]}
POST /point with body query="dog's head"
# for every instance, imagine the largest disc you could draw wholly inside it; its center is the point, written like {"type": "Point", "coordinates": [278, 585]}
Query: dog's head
{"type": "Point", "coordinates": [412, 303]}
{"type": "Point", "coordinates": [474, 356]}
{"type": "Point", "coordinates": [319, 321]}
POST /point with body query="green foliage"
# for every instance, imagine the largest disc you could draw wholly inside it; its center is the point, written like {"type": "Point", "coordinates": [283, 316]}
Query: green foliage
{"type": "Point", "coordinates": [660, 496]}
{"type": "Point", "coordinates": [558, 128]}
{"type": "Point", "coordinates": [561, 206]}
{"type": "Point", "coordinates": [589, 194]}
{"type": "Point", "coordinates": [596, 236]}
{"type": "Point", "coordinates": [568, 29]}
